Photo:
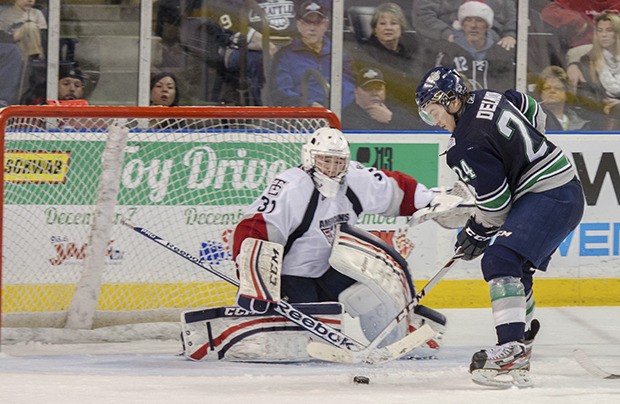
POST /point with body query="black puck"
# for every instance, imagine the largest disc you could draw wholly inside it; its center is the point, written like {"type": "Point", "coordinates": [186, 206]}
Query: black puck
{"type": "Point", "coordinates": [361, 380]}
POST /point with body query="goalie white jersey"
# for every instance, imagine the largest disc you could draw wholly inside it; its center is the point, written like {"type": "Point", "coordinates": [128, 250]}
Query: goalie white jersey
{"type": "Point", "coordinates": [293, 213]}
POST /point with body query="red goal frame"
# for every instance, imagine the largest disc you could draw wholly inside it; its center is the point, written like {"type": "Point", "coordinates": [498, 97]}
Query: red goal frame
{"type": "Point", "coordinates": [224, 112]}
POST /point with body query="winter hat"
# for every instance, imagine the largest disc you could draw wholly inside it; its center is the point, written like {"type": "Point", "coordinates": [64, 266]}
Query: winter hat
{"type": "Point", "coordinates": [474, 8]}
{"type": "Point", "coordinates": [70, 70]}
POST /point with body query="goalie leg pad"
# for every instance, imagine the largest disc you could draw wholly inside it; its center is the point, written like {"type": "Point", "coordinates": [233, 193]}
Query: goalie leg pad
{"type": "Point", "coordinates": [373, 311]}
{"type": "Point", "coordinates": [233, 334]}
{"type": "Point", "coordinates": [260, 267]}
{"type": "Point", "coordinates": [384, 274]}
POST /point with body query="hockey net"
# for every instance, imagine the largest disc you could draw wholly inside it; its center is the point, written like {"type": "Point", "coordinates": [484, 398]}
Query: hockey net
{"type": "Point", "coordinates": [186, 173]}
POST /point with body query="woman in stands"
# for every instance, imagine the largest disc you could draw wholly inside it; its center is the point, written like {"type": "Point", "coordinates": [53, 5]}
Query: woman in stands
{"type": "Point", "coordinates": [596, 77]}
{"type": "Point", "coordinates": [164, 93]}
{"type": "Point", "coordinates": [397, 54]}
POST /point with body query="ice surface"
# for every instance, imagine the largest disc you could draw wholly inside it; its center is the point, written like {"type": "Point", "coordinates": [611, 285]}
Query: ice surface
{"type": "Point", "coordinates": [151, 372]}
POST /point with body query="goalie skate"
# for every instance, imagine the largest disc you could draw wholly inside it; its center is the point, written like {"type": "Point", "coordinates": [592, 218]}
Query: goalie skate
{"type": "Point", "coordinates": [503, 366]}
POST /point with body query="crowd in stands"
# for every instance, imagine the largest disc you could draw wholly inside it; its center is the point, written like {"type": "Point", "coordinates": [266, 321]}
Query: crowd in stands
{"type": "Point", "coordinates": [279, 53]}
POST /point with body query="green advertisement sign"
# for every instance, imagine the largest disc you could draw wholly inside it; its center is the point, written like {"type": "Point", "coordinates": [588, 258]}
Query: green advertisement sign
{"type": "Point", "coordinates": [184, 173]}
{"type": "Point", "coordinates": [418, 160]}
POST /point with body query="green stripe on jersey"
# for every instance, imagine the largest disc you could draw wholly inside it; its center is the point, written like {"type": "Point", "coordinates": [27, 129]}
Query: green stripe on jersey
{"type": "Point", "coordinates": [558, 166]}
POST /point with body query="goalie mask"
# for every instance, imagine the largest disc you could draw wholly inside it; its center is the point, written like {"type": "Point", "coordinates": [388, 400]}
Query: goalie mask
{"type": "Point", "coordinates": [326, 158]}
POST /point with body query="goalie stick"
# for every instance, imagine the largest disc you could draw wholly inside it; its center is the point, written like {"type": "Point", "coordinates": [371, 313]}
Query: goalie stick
{"type": "Point", "coordinates": [309, 323]}
{"type": "Point", "coordinates": [397, 349]}
{"type": "Point", "coordinates": [585, 362]}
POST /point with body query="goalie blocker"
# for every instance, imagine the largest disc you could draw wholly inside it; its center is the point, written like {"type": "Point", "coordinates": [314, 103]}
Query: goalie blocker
{"type": "Point", "coordinates": [384, 287]}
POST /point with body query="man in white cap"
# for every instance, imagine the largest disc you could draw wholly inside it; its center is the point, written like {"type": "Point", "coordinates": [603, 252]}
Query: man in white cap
{"type": "Point", "coordinates": [474, 51]}
{"type": "Point", "coordinates": [473, 32]}
{"type": "Point", "coordinates": [435, 19]}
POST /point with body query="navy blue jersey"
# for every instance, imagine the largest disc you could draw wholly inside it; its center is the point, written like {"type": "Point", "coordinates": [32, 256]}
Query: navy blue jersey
{"type": "Point", "coordinates": [496, 150]}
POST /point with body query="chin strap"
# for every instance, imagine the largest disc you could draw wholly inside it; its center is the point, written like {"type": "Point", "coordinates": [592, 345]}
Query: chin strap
{"type": "Point", "coordinates": [327, 186]}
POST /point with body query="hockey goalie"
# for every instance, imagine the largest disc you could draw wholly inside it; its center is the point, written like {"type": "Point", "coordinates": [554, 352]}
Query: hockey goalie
{"type": "Point", "coordinates": [297, 243]}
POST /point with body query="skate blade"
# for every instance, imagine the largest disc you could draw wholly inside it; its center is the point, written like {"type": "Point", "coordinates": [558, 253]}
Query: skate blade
{"type": "Point", "coordinates": [492, 378]}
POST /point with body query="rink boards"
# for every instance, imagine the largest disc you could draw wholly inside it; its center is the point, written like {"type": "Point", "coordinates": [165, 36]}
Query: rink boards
{"type": "Point", "coordinates": [584, 270]}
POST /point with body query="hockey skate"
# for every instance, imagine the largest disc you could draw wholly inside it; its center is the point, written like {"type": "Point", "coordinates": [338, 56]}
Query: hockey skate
{"type": "Point", "coordinates": [502, 366]}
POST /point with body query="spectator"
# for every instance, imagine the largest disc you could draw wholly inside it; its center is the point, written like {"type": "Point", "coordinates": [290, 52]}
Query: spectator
{"type": "Point", "coordinates": [164, 93]}
{"type": "Point", "coordinates": [398, 56]}
{"type": "Point", "coordinates": [474, 52]}
{"type": "Point", "coordinates": [10, 71]}
{"type": "Point", "coordinates": [71, 88]}
{"type": "Point", "coordinates": [71, 83]}
{"type": "Point", "coordinates": [553, 87]}
{"type": "Point", "coordinates": [574, 20]}
{"type": "Point", "coordinates": [301, 71]}
{"type": "Point", "coordinates": [71, 91]}
{"type": "Point", "coordinates": [434, 19]}
{"type": "Point", "coordinates": [25, 23]}
{"type": "Point", "coordinates": [168, 17]}
{"type": "Point", "coordinates": [596, 77]}
{"type": "Point", "coordinates": [164, 90]}
{"type": "Point", "coordinates": [370, 110]}
{"type": "Point", "coordinates": [235, 27]}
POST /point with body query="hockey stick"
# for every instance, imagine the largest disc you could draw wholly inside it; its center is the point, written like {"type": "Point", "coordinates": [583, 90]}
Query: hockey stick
{"type": "Point", "coordinates": [309, 323]}
{"type": "Point", "coordinates": [585, 362]}
{"type": "Point", "coordinates": [370, 353]}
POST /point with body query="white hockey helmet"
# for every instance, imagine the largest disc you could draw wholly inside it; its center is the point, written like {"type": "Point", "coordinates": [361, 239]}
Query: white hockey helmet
{"type": "Point", "coordinates": [326, 156]}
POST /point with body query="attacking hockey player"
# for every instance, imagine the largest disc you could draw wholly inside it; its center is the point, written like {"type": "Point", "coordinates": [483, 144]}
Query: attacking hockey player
{"type": "Point", "coordinates": [527, 195]}
{"type": "Point", "coordinates": [297, 243]}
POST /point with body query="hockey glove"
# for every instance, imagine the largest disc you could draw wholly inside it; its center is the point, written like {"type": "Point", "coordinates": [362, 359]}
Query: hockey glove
{"type": "Point", "coordinates": [474, 239]}
{"type": "Point", "coordinates": [450, 208]}
{"type": "Point", "coordinates": [253, 305]}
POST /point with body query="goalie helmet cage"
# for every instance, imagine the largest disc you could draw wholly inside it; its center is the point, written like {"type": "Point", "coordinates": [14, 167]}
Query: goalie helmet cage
{"type": "Point", "coordinates": [71, 174]}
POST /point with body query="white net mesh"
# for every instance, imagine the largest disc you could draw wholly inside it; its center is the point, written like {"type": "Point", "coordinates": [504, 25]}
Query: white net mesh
{"type": "Point", "coordinates": [186, 179]}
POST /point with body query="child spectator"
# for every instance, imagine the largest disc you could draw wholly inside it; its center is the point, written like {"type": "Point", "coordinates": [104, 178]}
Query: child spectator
{"type": "Point", "coordinates": [25, 23]}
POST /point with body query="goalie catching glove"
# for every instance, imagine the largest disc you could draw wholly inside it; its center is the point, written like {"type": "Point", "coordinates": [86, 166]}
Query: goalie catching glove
{"type": "Point", "coordinates": [450, 207]}
{"type": "Point", "coordinates": [474, 239]}
{"type": "Point", "coordinates": [260, 267]}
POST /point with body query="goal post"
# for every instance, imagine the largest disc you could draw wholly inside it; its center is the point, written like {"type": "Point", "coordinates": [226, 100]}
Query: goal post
{"type": "Point", "coordinates": [71, 174]}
